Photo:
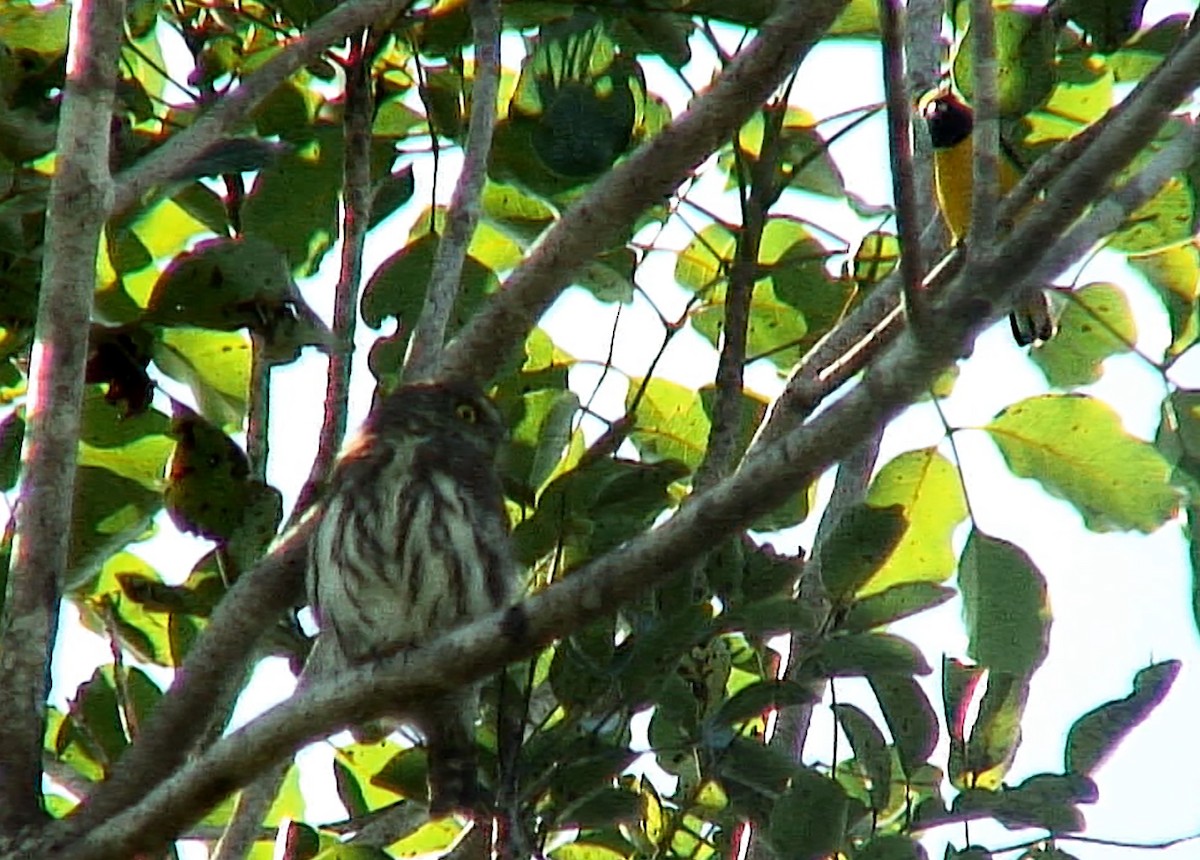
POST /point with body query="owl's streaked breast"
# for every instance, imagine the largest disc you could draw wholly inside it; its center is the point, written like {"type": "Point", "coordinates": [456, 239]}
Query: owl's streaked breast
{"type": "Point", "coordinates": [448, 563]}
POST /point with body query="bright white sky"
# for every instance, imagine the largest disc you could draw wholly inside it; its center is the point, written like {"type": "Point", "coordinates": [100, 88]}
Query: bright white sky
{"type": "Point", "coordinates": [1120, 601]}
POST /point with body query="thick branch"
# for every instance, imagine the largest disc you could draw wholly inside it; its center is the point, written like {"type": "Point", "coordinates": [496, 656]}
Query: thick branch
{"type": "Point", "coordinates": [487, 645]}
{"type": "Point", "coordinates": [601, 587]}
{"type": "Point", "coordinates": [80, 195]}
{"type": "Point", "coordinates": [425, 349]}
{"type": "Point", "coordinates": [647, 177]}
{"type": "Point", "coordinates": [1126, 130]}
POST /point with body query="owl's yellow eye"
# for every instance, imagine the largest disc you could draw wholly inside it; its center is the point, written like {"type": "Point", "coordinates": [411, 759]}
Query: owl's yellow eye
{"type": "Point", "coordinates": [466, 412]}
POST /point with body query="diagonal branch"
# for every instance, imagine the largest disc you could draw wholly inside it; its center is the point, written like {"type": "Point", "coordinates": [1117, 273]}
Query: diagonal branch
{"type": "Point", "coordinates": [647, 177]}
{"type": "Point", "coordinates": [224, 118]}
{"type": "Point", "coordinates": [425, 349]}
{"type": "Point", "coordinates": [80, 195]}
{"type": "Point", "coordinates": [1127, 129]}
{"type": "Point", "coordinates": [471, 652]}
{"type": "Point", "coordinates": [485, 646]}
{"type": "Point", "coordinates": [167, 736]}
{"type": "Point", "coordinates": [272, 586]}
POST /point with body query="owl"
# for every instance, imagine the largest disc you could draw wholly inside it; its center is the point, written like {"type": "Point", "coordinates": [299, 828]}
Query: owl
{"type": "Point", "coordinates": [413, 541]}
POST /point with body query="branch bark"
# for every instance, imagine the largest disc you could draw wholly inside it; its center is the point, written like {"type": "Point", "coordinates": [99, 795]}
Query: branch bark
{"type": "Point", "coordinates": [80, 197]}
{"type": "Point", "coordinates": [356, 207]}
{"type": "Point", "coordinates": [481, 648]}
{"type": "Point", "coordinates": [168, 735]}
{"type": "Point", "coordinates": [429, 337]}
{"type": "Point", "coordinates": [487, 645]}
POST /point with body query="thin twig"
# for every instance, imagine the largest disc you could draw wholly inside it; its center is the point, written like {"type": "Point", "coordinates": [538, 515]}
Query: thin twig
{"type": "Point", "coordinates": [791, 728]}
{"type": "Point", "coordinates": [258, 410]}
{"type": "Point", "coordinates": [899, 115]}
{"type": "Point", "coordinates": [429, 336]}
{"type": "Point", "coordinates": [985, 135]}
{"type": "Point", "coordinates": [356, 218]}
{"type": "Point", "coordinates": [721, 453]}
{"type": "Point", "coordinates": [80, 200]}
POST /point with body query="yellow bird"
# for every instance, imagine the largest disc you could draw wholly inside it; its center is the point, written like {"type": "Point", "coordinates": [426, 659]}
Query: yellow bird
{"type": "Point", "coordinates": [951, 122]}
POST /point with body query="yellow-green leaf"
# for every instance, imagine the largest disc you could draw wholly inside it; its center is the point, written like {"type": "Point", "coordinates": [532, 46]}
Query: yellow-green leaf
{"type": "Point", "coordinates": [1076, 448]}
{"type": "Point", "coordinates": [926, 486]}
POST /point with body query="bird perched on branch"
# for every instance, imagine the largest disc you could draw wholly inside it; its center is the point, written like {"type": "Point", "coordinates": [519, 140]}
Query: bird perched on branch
{"type": "Point", "coordinates": [412, 542]}
{"type": "Point", "coordinates": [951, 123]}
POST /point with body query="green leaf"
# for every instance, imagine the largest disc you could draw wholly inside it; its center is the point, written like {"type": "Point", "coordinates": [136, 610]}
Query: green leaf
{"type": "Point", "coordinates": [390, 193]}
{"type": "Point", "coordinates": [750, 702]}
{"type": "Point", "coordinates": [753, 775]}
{"type": "Point", "coordinates": [390, 292]}
{"type": "Point", "coordinates": [1162, 221]}
{"type": "Point", "coordinates": [1145, 51]}
{"type": "Point", "coordinates": [39, 29]}
{"type": "Point", "coordinates": [221, 284]}
{"type": "Point", "coordinates": [214, 364]}
{"type": "Point", "coordinates": [860, 543]}
{"type": "Point", "coordinates": [871, 654]}
{"type": "Point", "coordinates": [353, 852]}
{"type": "Point", "coordinates": [670, 423]}
{"type": "Point", "coordinates": [108, 512]}
{"type": "Point", "coordinates": [1096, 734]}
{"type": "Point", "coordinates": [892, 846]}
{"type": "Point", "coordinates": [1107, 23]}
{"type": "Point", "coordinates": [910, 719]}
{"type": "Point", "coordinates": [959, 682]}
{"type": "Point", "coordinates": [580, 850]}
{"type": "Point", "coordinates": [1097, 324]}
{"type": "Point", "coordinates": [928, 490]}
{"type": "Point", "coordinates": [293, 204]}
{"type": "Point", "coordinates": [870, 751]}
{"type": "Point", "coordinates": [996, 733]}
{"type": "Point", "coordinates": [1076, 448]}
{"type": "Point", "coordinates": [1005, 605]}
{"type": "Point", "coordinates": [606, 805]}
{"type": "Point", "coordinates": [595, 507]}
{"type": "Point", "coordinates": [1174, 274]}
{"type": "Point", "coordinates": [1025, 60]}
{"type": "Point", "coordinates": [899, 601]}
{"type": "Point", "coordinates": [772, 616]}
{"type": "Point", "coordinates": [810, 819]}
{"type": "Point", "coordinates": [1047, 801]}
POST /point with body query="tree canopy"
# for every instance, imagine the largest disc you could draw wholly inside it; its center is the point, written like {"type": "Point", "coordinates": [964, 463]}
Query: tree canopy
{"type": "Point", "coordinates": [182, 183]}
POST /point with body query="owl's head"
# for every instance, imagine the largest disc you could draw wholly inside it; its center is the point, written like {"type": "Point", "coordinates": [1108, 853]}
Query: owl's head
{"type": "Point", "coordinates": [455, 412]}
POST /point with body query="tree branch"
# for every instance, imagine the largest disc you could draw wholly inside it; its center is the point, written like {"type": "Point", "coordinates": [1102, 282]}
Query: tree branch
{"type": "Point", "coordinates": [1126, 129]}
{"type": "Point", "coordinates": [80, 197]}
{"type": "Point", "coordinates": [647, 177]}
{"type": "Point", "coordinates": [487, 645]}
{"type": "Point", "coordinates": [234, 108]}
{"type": "Point", "coordinates": [985, 136]}
{"type": "Point", "coordinates": [899, 117]}
{"type": "Point", "coordinates": [644, 562]}
{"type": "Point", "coordinates": [429, 337]}
{"type": "Point", "coordinates": [356, 218]}
{"type": "Point", "coordinates": [167, 736]}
